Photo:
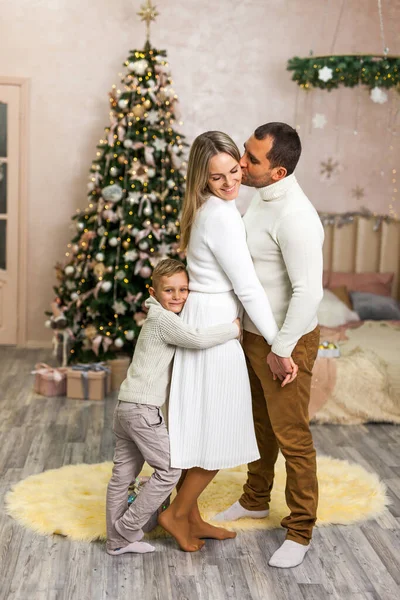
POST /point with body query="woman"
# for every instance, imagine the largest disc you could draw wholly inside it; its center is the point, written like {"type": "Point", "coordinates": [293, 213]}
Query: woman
{"type": "Point", "coordinates": [210, 414]}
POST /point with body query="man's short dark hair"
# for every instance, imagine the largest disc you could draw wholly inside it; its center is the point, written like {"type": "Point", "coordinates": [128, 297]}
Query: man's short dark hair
{"type": "Point", "coordinates": [286, 148]}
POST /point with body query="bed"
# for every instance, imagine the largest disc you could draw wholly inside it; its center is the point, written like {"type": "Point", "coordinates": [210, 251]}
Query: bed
{"type": "Point", "coordinates": [361, 270]}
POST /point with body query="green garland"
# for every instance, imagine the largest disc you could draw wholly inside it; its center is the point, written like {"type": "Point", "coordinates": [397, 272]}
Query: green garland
{"type": "Point", "coordinates": [369, 70]}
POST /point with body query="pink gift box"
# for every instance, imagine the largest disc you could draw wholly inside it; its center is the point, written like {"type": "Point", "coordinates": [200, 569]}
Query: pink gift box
{"type": "Point", "coordinates": [50, 381]}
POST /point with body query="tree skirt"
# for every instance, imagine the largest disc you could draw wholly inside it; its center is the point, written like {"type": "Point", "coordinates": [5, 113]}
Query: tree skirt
{"type": "Point", "coordinates": [70, 501]}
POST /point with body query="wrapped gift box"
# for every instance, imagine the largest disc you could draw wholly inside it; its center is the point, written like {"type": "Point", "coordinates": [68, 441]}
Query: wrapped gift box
{"type": "Point", "coordinates": [50, 381]}
{"type": "Point", "coordinates": [119, 367]}
{"type": "Point", "coordinates": [89, 382]}
{"type": "Point", "coordinates": [328, 350]}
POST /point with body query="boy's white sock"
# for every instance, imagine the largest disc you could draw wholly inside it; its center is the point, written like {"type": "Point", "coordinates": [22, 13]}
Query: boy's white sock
{"type": "Point", "coordinates": [135, 547]}
{"type": "Point", "coordinates": [236, 511]}
{"type": "Point", "coordinates": [290, 554]}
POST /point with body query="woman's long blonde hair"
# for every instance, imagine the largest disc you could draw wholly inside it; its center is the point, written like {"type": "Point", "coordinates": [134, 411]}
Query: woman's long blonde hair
{"type": "Point", "coordinates": [204, 147]}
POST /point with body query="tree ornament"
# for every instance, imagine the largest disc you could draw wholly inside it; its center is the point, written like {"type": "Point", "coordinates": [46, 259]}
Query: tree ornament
{"type": "Point", "coordinates": [143, 245]}
{"type": "Point", "coordinates": [130, 334]}
{"type": "Point", "coordinates": [106, 286]}
{"type": "Point", "coordinates": [47, 324]}
{"type": "Point", "coordinates": [121, 159]}
{"type": "Point", "coordinates": [123, 103]}
{"type": "Point", "coordinates": [113, 242]}
{"type": "Point", "coordinates": [128, 143]}
{"type": "Point", "coordinates": [74, 296]}
{"type": "Point", "coordinates": [147, 211]}
{"type": "Point", "coordinates": [125, 244]}
{"type": "Point", "coordinates": [152, 117]}
{"type": "Point", "coordinates": [139, 67]}
{"type": "Point", "coordinates": [99, 269]}
{"type": "Point", "coordinates": [119, 307]}
{"type": "Point", "coordinates": [168, 208]}
{"type": "Point", "coordinates": [131, 255]}
{"type": "Point", "coordinates": [147, 104]}
{"type": "Point", "coordinates": [69, 270]}
{"type": "Point", "coordinates": [112, 193]}
{"type": "Point", "coordinates": [80, 226]}
{"type": "Point", "coordinates": [100, 257]}
{"type": "Point", "coordinates": [159, 144]}
{"type": "Point", "coordinates": [138, 111]}
{"type": "Point", "coordinates": [118, 343]}
{"type": "Point", "coordinates": [145, 272]}
{"type": "Point", "coordinates": [114, 171]}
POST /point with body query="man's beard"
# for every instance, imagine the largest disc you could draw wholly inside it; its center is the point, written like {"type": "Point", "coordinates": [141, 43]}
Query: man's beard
{"type": "Point", "coordinates": [249, 181]}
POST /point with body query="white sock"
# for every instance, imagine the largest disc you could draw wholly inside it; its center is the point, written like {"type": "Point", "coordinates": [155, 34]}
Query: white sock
{"type": "Point", "coordinates": [136, 547]}
{"type": "Point", "coordinates": [236, 511]}
{"type": "Point", "coordinates": [290, 554]}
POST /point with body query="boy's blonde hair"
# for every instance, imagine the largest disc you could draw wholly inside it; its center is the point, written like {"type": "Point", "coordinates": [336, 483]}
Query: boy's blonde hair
{"type": "Point", "coordinates": [204, 147]}
{"type": "Point", "coordinates": [166, 268]}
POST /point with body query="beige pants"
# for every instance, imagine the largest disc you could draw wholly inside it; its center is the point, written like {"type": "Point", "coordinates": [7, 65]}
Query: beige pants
{"type": "Point", "coordinates": [142, 436]}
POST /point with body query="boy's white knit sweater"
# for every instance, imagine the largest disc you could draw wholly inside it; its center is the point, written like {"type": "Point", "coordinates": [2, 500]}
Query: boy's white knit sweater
{"type": "Point", "coordinates": [149, 374]}
{"type": "Point", "coordinates": [285, 237]}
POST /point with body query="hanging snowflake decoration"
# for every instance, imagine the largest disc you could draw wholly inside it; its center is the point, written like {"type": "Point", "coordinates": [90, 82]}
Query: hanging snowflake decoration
{"type": "Point", "coordinates": [379, 96]}
{"type": "Point", "coordinates": [329, 169]}
{"type": "Point", "coordinates": [358, 192]}
{"type": "Point", "coordinates": [319, 121]}
{"type": "Point", "coordinates": [325, 74]}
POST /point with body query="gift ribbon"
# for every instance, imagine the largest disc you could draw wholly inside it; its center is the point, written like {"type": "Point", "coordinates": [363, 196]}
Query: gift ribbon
{"type": "Point", "coordinates": [44, 369]}
{"type": "Point", "coordinates": [84, 369]}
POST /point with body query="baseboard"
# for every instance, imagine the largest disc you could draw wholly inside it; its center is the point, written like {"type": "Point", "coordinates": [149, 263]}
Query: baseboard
{"type": "Point", "coordinates": [37, 344]}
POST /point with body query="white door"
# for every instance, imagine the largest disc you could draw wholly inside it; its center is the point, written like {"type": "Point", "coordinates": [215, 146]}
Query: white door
{"type": "Point", "coordinates": [9, 202]}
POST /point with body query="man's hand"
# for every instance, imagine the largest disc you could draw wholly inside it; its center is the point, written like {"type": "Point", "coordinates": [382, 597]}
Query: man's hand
{"type": "Point", "coordinates": [282, 368]}
{"type": "Point", "coordinates": [237, 322]}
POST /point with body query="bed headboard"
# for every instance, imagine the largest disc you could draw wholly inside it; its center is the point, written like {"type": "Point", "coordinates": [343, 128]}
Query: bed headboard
{"type": "Point", "coordinates": [363, 245]}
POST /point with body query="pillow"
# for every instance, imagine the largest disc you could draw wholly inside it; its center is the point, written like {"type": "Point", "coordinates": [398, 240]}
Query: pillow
{"type": "Point", "coordinates": [374, 283]}
{"type": "Point", "coordinates": [342, 293]}
{"type": "Point", "coordinates": [333, 312]}
{"type": "Point", "coordinates": [375, 308]}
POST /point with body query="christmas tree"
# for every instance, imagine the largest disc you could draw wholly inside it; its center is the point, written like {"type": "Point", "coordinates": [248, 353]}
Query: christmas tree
{"type": "Point", "coordinates": [136, 185]}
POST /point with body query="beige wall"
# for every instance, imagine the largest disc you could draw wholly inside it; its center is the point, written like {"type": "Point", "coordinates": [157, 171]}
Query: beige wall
{"type": "Point", "coordinates": [228, 61]}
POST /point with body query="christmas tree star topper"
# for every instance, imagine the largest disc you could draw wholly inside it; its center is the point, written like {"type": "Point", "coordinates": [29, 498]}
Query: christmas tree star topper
{"type": "Point", "coordinates": [148, 13]}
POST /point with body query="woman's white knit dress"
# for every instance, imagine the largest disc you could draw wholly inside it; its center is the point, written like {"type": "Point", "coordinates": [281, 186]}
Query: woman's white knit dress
{"type": "Point", "coordinates": [210, 413]}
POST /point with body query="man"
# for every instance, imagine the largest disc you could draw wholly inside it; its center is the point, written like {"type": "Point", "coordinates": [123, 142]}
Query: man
{"type": "Point", "coordinates": [285, 238]}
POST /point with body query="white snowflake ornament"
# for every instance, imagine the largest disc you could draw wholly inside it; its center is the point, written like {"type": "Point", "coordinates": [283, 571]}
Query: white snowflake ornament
{"type": "Point", "coordinates": [119, 307]}
{"type": "Point", "coordinates": [152, 117]}
{"type": "Point", "coordinates": [139, 66]}
{"type": "Point", "coordinates": [319, 121]}
{"type": "Point", "coordinates": [131, 255]}
{"type": "Point", "coordinates": [379, 96]}
{"type": "Point", "coordinates": [325, 74]}
{"type": "Point", "coordinates": [159, 144]}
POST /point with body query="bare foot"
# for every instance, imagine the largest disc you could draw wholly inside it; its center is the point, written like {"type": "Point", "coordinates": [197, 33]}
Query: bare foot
{"type": "Point", "coordinates": [179, 528]}
{"type": "Point", "coordinates": [202, 529]}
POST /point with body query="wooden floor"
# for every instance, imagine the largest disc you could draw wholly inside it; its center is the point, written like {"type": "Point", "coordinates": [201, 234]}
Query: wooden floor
{"type": "Point", "coordinates": [36, 433]}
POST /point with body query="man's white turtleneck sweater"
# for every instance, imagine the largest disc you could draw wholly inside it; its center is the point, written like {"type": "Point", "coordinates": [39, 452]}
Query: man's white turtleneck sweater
{"type": "Point", "coordinates": [285, 237]}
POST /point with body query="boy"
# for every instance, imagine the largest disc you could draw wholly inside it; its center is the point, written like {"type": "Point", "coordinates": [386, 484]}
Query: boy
{"type": "Point", "coordinates": [138, 422]}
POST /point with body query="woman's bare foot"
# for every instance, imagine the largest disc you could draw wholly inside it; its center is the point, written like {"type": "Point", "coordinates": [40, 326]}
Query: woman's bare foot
{"type": "Point", "coordinates": [179, 528]}
{"type": "Point", "coordinates": [202, 529]}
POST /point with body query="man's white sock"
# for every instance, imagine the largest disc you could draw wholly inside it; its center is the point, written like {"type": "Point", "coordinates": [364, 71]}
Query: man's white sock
{"type": "Point", "coordinates": [290, 554]}
{"type": "Point", "coordinates": [236, 511]}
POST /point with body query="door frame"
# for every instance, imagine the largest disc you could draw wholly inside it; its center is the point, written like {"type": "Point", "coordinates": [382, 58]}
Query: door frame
{"type": "Point", "coordinates": [24, 89]}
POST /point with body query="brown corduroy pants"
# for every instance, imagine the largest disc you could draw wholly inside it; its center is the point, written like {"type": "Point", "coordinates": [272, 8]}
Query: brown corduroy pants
{"type": "Point", "coordinates": [281, 423]}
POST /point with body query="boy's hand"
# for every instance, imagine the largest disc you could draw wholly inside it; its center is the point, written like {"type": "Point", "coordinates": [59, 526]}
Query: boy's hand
{"type": "Point", "coordinates": [237, 322]}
